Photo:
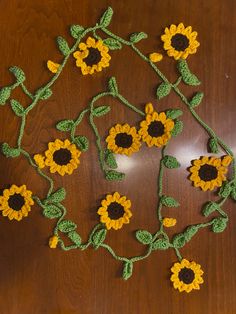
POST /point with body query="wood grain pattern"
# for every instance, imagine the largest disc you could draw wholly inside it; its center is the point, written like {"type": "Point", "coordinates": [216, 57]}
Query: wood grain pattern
{"type": "Point", "coordinates": [35, 279]}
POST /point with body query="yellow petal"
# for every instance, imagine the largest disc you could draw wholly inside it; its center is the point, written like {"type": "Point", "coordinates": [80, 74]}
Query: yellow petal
{"type": "Point", "coordinates": [52, 66]}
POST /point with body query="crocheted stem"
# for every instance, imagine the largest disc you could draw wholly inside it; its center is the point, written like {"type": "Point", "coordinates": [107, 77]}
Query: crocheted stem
{"type": "Point", "coordinates": [21, 132]}
{"type": "Point", "coordinates": [77, 122]}
{"type": "Point", "coordinates": [129, 105]}
{"type": "Point", "coordinates": [25, 90]}
{"type": "Point", "coordinates": [40, 172]}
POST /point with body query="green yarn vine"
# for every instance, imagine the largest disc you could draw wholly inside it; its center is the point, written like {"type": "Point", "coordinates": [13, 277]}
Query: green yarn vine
{"type": "Point", "coordinates": [52, 205]}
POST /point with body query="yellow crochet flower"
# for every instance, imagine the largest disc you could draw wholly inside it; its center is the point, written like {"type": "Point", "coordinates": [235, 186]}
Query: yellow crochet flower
{"type": "Point", "coordinates": [52, 66]}
{"type": "Point", "coordinates": [62, 157]}
{"type": "Point", "coordinates": [53, 241]}
{"type": "Point", "coordinates": [180, 41]}
{"type": "Point", "coordinates": [115, 211]}
{"type": "Point", "coordinates": [93, 56]}
{"type": "Point", "coordinates": [16, 202]}
{"type": "Point", "coordinates": [209, 172]}
{"type": "Point", "coordinates": [155, 57]}
{"type": "Point", "coordinates": [123, 139]}
{"type": "Point", "coordinates": [155, 130]}
{"type": "Point", "coordinates": [169, 222]}
{"type": "Point", "coordinates": [187, 276]}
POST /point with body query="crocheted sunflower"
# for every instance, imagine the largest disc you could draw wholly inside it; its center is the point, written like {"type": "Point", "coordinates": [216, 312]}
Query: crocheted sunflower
{"type": "Point", "coordinates": [16, 202]}
{"type": "Point", "coordinates": [180, 41]}
{"type": "Point", "coordinates": [62, 157]}
{"type": "Point", "coordinates": [209, 172]}
{"type": "Point", "coordinates": [115, 211]}
{"type": "Point", "coordinates": [155, 130]}
{"type": "Point", "coordinates": [186, 276]}
{"type": "Point", "coordinates": [123, 139]}
{"type": "Point", "coordinates": [93, 56]}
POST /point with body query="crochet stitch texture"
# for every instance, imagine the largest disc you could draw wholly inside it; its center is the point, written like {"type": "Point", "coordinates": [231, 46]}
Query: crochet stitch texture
{"type": "Point", "coordinates": [158, 129]}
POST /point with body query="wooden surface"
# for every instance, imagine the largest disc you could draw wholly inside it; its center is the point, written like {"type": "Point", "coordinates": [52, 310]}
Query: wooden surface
{"type": "Point", "coordinates": [35, 279]}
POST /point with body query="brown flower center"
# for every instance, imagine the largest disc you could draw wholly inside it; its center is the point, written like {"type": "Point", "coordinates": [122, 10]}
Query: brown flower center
{"type": "Point", "coordinates": [208, 172]}
{"type": "Point", "coordinates": [180, 42]}
{"type": "Point", "coordinates": [62, 156]}
{"type": "Point", "coordinates": [16, 201]}
{"type": "Point", "coordinates": [124, 140]}
{"type": "Point", "coordinates": [115, 211]}
{"type": "Point", "coordinates": [186, 275]}
{"type": "Point", "coordinates": [94, 56]}
{"type": "Point", "coordinates": [156, 129]}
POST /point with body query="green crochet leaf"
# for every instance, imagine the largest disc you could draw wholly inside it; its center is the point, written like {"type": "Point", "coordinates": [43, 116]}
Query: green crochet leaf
{"type": "Point", "coordinates": [190, 232]}
{"type": "Point", "coordinates": [209, 208]}
{"type": "Point", "coordinates": [219, 224]}
{"type": "Point", "coordinates": [57, 196]}
{"type": "Point", "coordinates": [65, 125]}
{"type": "Point", "coordinates": [233, 194]}
{"type": "Point", "coordinates": [174, 113]}
{"type": "Point", "coordinates": [160, 244]}
{"type": "Point", "coordinates": [45, 94]}
{"type": "Point", "coordinates": [5, 93]}
{"type": "Point", "coordinates": [76, 31]}
{"type": "Point", "coordinates": [169, 201]}
{"type": "Point", "coordinates": [112, 43]}
{"type": "Point", "coordinates": [110, 159]}
{"type": "Point", "coordinates": [17, 108]}
{"type": "Point", "coordinates": [18, 73]}
{"type": "Point", "coordinates": [179, 240]}
{"type": "Point", "coordinates": [52, 211]}
{"type": "Point", "coordinates": [82, 142]}
{"type": "Point", "coordinates": [101, 111]}
{"type": "Point", "coordinates": [163, 90]}
{"type": "Point", "coordinates": [225, 190]}
{"type": "Point", "coordinates": [170, 162]}
{"type": "Point", "coordinates": [178, 128]}
{"type": "Point", "coordinates": [106, 17]}
{"type": "Point", "coordinates": [112, 86]}
{"type": "Point", "coordinates": [143, 236]}
{"type": "Point", "coordinates": [9, 152]}
{"type": "Point", "coordinates": [63, 46]}
{"type": "Point", "coordinates": [196, 100]}
{"type": "Point", "coordinates": [98, 238]}
{"type": "Point", "coordinates": [187, 76]}
{"type": "Point", "coordinates": [74, 237]}
{"type": "Point", "coordinates": [127, 270]}
{"type": "Point", "coordinates": [213, 145]}
{"type": "Point", "coordinates": [112, 175]}
{"type": "Point", "coordinates": [67, 226]}
{"type": "Point", "coordinates": [136, 37]}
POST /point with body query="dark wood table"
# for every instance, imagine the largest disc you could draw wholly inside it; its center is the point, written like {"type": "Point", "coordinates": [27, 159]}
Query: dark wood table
{"type": "Point", "coordinates": [37, 279]}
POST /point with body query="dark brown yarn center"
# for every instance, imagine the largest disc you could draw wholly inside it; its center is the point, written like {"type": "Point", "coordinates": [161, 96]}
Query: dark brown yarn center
{"type": "Point", "coordinates": [208, 172]}
{"type": "Point", "coordinates": [124, 140]}
{"type": "Point", "coordinates": [156, 129]}
{"type": "Point", "coordinates": [180, 42]}
{"type": "Point", "coordinates": [115, 211]}
{"type": "Point", "coordinates": [62, 156]}
{"type": "Point", "coordinates": [16, 201]}
{"type": "Point", "coordinates": [186, 275]}
{"type": "Point", "coordinates": [93, 57]}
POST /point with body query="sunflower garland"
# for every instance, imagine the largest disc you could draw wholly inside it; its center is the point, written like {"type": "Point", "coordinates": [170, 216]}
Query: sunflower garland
{"type": "Point", "coordinates": [92, 57]}
{"type": "Point", "coordinates": [16, 202]}
{"type": "Point", "coordinates": [123, 139]}
{"type": "Point", "coordinates": [155, 130]}
{"type": "Point", "coordinates": [115, 211]}
{"type": "Point", "coordinates": [209, 172]}
{"type": "Point", "coordinates": [62, 157]}
{"type": "Point", "coordinates": [180, 41]}
{"type": "Point", "coordinates": [187, 276]}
